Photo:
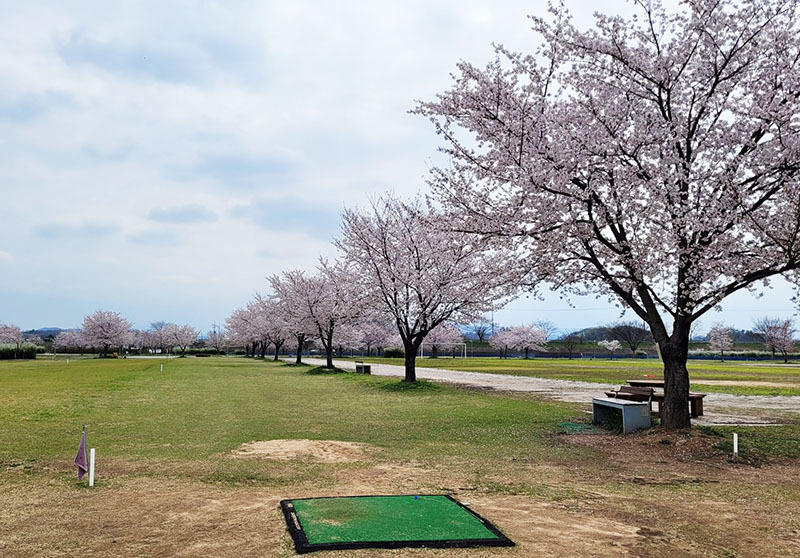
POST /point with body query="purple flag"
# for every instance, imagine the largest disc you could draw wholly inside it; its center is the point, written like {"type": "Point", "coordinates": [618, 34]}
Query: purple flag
{"type": "Point", "coordinates": [80, 459]}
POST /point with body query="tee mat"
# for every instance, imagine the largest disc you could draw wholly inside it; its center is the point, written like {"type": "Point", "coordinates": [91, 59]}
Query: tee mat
{"type": "Point", "coordinates": [354, 522]}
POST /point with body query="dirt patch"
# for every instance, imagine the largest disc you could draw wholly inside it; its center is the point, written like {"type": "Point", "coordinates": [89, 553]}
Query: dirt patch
{"type": "Point", "coordinates": [642, 496]}
{"type": "Point", "coordinates": [329, 451]}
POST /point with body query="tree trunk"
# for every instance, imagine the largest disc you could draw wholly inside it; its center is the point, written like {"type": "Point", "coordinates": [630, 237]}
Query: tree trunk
{"type": "Point", "coordinates": [674, 352]}
{"type": "Point", "coordinates": [527, 350]}
{"type": "Point", "coordinates": [301, 339]}
{"type": "Point", "coordinates": [277, 350]}
{"type": "Point", "coordinates": [328, 350]}
{"type": "Point", "coordinates": [411, 347]}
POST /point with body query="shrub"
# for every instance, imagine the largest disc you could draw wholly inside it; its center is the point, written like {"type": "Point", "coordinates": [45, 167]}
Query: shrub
{"type": "Point", "coordinates": [394, 353]}
{"type": "Point", "coordinates": [10, 352]}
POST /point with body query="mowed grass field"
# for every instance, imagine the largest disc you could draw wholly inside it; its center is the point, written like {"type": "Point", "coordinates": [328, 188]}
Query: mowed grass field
{"type": "Point", "coordinates": [785, 377]}
{"type": "Point", "coordinates": [168, 483]}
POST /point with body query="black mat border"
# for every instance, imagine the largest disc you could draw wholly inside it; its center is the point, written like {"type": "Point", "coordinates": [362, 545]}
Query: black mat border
{"type": "Point", "coordinates": [302, 546]}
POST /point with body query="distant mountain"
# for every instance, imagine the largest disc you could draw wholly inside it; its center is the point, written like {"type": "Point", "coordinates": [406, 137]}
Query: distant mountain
{"type": "Point", "coordinates": [46, 333]}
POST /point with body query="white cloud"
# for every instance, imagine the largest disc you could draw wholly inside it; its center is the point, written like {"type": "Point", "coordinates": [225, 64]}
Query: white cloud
{"type": "Point", "coordinates": [251, 123]}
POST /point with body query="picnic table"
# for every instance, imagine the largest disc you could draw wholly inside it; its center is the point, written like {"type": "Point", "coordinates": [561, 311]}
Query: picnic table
{"type": "Point", "coordinates": [647, 393]}
{"type": "Point", "coordinates": [647, 382]}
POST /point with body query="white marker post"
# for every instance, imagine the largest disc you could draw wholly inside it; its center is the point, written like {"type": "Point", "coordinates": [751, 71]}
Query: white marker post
{"type": "Point", "coordinates": [91, 467]}
{"type": "Point", "coordinates": [162, 367]}
{"type": "Point", "coordinates": [735, 444]}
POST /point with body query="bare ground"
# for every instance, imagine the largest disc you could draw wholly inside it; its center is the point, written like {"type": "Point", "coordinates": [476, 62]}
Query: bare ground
{"type": "Point", "coordinates": [719, 408]}
{"type": "Point", "coordinates": [643, 497]}
{"type": "Point", "coordinates": [331, 451]}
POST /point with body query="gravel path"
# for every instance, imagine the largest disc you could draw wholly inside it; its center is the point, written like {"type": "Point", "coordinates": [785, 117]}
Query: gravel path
{"type": "Point", "coordinates": [719, 408]}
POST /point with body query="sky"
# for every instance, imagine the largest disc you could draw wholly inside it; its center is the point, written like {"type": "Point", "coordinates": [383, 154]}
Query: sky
{"type": "Point", "coordinates": [161, 160]}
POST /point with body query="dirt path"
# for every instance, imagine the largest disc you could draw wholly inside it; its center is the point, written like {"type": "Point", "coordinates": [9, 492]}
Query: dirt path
{"type": "Point", "coordinates": [719, 408]}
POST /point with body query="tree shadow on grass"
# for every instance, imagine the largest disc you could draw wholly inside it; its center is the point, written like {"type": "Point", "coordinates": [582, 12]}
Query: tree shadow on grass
{"type": "Point", "coordinates": [321, 370]}
{"type": "Point", "coordinates": [420, 386]}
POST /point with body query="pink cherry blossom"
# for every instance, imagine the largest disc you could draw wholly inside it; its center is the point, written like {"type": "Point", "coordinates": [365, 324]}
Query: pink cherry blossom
{"type": "Point", "coordinates": [652, 160]}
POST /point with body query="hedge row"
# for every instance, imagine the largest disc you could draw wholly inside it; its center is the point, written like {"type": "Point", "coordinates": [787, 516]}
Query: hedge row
{"type": "Point", "coordinates": [10, 352]}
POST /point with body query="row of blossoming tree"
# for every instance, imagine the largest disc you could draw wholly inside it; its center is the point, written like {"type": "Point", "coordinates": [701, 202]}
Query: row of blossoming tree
{"type": "Point", "coordinates": [653, 160]}
{"type": "Point", "coordinates": [404, 276]}
{"type": "Point", "coordinates": [104, 330]}
{"type": "Point", "coordinates": [777, 335]}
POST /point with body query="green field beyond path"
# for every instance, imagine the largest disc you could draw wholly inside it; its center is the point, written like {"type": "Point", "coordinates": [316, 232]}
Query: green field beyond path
{"type": "Point", "coordinates": [617, 371]}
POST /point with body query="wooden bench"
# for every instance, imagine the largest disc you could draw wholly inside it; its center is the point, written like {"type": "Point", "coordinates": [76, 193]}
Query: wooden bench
{"type": "Point", "coordinates": [362, 368]}
{"type": "Point", "coordinates": [634, 393]}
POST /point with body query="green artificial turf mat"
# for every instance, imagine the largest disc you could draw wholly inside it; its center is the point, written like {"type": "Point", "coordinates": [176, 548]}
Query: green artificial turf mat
{"type": "Point", "coordinates": [386, 522]}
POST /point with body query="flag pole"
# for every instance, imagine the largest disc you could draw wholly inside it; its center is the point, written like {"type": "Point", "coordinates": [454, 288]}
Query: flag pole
{"type": "Point", "coordinates": [91, 467]}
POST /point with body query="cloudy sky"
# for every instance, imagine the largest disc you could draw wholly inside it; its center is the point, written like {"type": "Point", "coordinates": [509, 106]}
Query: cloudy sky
{"type": "Point", "coordinates": [160, 159]}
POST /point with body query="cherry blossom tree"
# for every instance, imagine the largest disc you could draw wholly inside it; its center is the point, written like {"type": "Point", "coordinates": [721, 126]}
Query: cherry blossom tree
{"type": "Point", "coordinates": [12, 335]}
{"type": "Point", "coordinates": [270, 324]}
{"type": "Point", "coordinates": [217, 338]}
{"type": "Point", "coordinates": [503, 340]}
{"type": "Point", "coordinates": [720, 338]}
{"type": "Point", "coordinates": [376, 332]}
{"type": "Point", "coordinates": [610, 345]}
{"type": "Point", "coordinates": [443, 335]}
{"type": "Point", "coordinates": [180, 336]}
{"type": "Point", "coordinates": [135, 341]}
{"type": "Point", "coordinates": [157, 336]}
{"type": "Point", "coordinates": [247, 328]}
{"type": "Point", "coordinates": [323, 301]}
{"type": "Point", "coordinates": [762, 328]}
{"type": "Point", "coordinates": [34, 340]}
{"type": "Point", "coordinates": [653, 159]}
{"type": "Point", "coordinates": [415, 270]}
{"type": "Point", "coordinates": [528, 338]}
{"type": "Point", "coordinates": [780, 338]}
{"type": "Point", "coordinates": [105, 329]}
{"type": "Point", "coordinates": [68, 339]}
{"type": "Point", "coordinates": [348, 336]}
{"type": "Point", "coordinates": [298, 323]}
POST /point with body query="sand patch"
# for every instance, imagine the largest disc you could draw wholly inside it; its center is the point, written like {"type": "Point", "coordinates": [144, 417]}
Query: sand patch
{"type": "Point", "coordinates": [330, 451]}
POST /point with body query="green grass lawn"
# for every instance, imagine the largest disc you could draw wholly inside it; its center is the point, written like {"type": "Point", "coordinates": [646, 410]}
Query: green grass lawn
{"type": "Point", "coordinates": [617, 371]}
{"type": "Point", "coordinates": [200, 408]}
{"type": "Point", "coordinates": [164, 443]}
